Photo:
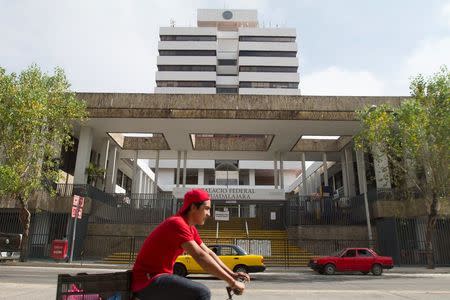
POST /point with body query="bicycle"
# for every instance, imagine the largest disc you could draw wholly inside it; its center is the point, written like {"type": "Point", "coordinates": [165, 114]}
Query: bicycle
{"type": "Point", "coordinates": [232, 292]}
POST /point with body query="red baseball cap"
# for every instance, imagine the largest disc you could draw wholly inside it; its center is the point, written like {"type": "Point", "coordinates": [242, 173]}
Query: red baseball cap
{"type": "Point", "coordinates": [193, 196]}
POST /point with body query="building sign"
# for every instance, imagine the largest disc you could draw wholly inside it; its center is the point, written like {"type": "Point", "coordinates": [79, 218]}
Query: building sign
{"type": "Point", "coordinates": [221, 215]}
{"type": "Point", "coordinates": [235, 193]}
{"type": "Point", "coordinates": [77, 206]}
{"type": "Point", "coordinates": [273, 215]}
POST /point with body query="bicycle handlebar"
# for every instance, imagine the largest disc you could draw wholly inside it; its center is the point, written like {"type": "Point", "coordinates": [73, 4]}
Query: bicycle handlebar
{"type": "Point", "coordinates": [231, 291]}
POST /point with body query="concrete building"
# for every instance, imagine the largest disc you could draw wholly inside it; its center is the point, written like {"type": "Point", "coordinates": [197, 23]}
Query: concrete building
{"type": "Point", "coordinates": [227, 116]}
{"type": "Point", "coordinates": [227, 53]}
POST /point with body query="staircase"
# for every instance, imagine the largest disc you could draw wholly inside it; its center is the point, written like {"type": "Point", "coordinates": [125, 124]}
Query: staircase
{"type": "Point", "coordinates": [282, 251]}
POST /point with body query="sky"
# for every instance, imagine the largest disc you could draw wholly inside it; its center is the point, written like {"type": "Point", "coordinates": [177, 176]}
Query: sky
{"type": "Point", "coordinates": [346, 47]}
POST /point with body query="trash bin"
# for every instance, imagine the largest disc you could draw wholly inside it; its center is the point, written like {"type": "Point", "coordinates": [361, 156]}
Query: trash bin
{"type": "Point", "coordinates": [59, 249]}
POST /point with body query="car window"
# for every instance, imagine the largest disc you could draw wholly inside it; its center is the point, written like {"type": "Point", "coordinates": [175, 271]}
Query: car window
{"type": "Point", "coordinates": [364, 253]}
{"type": "Point", "coordinates": [215, 250]}
{"type": "Point", "coordinates": [350, 253]}
{"type": "Point", "coordinates": [227, 250]}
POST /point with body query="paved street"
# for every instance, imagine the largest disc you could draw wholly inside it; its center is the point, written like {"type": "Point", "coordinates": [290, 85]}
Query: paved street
{"type": "Point", "coordinates": [17, 282]}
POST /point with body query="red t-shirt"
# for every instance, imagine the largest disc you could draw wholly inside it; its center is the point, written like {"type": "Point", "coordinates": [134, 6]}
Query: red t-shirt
{"type": "Point", "coordinates": [161, 249]}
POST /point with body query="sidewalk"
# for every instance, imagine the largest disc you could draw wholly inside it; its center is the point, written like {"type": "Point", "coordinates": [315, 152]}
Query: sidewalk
{"type": "Point", "coordinates": [96, 265]}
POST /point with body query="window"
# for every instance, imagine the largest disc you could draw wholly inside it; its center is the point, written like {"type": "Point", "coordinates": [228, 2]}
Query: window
{"type": "Point", "coordinates": [350, 253]}
{"type": "Point", "coordinates": [364, 253]}
{"type": "Point", "coordinates": [267, 69]}
{"type": "Point", "coordinates": [226, 90]}
{"type": "Point", "coordinates": [186, 84]}
{"type": "Point", "coordinates": [256, 84]}
{"type": "Point", "coordinates": [188, 38]}
{"type": "Point", "coordinates": [191, 176]}
{"type": "Point", "coordinates": [268, 53]}
{"type": "Point", "coordinates": [187, 52]}
{"type": "Point", "coordinates": [227, 62]}
{"type": "Point", "coordinates": [186, 68]}
{"type": "Point", "coordinates": [227, 250]}
{"type": "Point", "coordinates": [282, 39]}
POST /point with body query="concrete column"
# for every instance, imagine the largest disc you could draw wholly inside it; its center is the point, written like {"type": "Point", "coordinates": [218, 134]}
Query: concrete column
{"type": "Point", "coordinates": [350, 171]}
{"type": "Point", "coordinates": [251, 180]}
{"type": "Point", "coordinates": [304, 188]}
{"type": "Point", "coordinates": [103, 163]}
{"type": "Point", "coordinates": [83, 155]}
{"type": "Point", "coordinates": [281, 172]}
{"type": "Point", "coordinates": [275, 171]}
{"type": "Point", "coordinates": [344, 173]}
{"type": "Point", "coordinates": [111, 170]}
{"type": "Point", "coordinates": [201, 176]}
{"type": "Point", "coordinates": [135, 174]}
{"type": "Point", "coordinates": [381, 166]}
{"type": "Point", "coordinates": [177, 180]}
{"type": "Point", "coordinates": [141, 187]}
{"type": "Point", "coordinates": [145, 184]}
{"type": "Point", "coordinates": [325, 168]}
{"type": "Point", "coordinates": [360, 166]}
{"type": "Point", "coordinates": [155, 184]}
{"type": "Point", "coordinates": [184, 168]}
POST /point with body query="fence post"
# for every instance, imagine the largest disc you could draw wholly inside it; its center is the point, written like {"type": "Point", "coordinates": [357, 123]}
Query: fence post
{"type": "Point", "coordinates": [130, 256]}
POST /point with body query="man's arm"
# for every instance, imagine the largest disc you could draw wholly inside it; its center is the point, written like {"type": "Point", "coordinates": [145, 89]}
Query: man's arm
{"type": "Point", "coordinates": [211, 253]}
{"type": "Point", "coordinates": [210, 265]}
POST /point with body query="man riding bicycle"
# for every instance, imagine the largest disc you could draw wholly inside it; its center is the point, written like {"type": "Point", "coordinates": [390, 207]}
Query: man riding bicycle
{"type": "Point", "coordinates": [153, 276]}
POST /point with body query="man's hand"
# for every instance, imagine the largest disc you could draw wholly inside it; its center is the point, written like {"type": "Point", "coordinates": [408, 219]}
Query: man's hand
{"type": "Point", "coordinates": [242, 276]}
{"type": "Point", "coordinates": [238, 287]}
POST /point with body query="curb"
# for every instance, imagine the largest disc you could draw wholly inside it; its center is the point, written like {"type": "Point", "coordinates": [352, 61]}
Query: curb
{"type": "Point", "coordinates": [78, 265]}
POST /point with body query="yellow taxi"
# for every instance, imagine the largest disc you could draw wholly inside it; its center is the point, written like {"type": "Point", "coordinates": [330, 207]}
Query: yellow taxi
{"type": "Point", "coordinates": [233, 256]}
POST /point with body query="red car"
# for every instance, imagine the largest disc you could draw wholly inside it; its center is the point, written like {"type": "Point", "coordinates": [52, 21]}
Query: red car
{"type": "Point", "coordinates": [363, 260]}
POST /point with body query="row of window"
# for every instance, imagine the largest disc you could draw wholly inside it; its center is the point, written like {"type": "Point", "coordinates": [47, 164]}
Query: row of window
{"type": "Point", "coordinates": [185, 83]}
{"type": "Point", "coordinates": [187, 52]}
{"type": "Point", "coordinates": [186, 68]}
{"type": "Point", "coordinates": [195, 38]}
{"type": "Point", "coordinates": [227, 90]}
{"type": "Point", "coordinates": [198, 38]}
{"type": "Point", "coordinates": [256, 84]}
{"type": "Point", "coordinates": [281, 39]}
{"type": "Point", "coordinates": [227, 61]}
{"type": "Point", "coordinates": [268, 69]}
{"type": "Point", "coordinates": [201, 68]}
{"type": "Point", "coordinates": [268, 53]}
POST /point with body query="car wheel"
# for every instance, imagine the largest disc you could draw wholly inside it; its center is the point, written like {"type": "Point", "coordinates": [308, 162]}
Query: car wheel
{"type": "Point", "coordinates": [240, 268]}
{"type": "Point", "coordinates": [329, 269]}
{"type": "Point", "coordinates": [180, 270]}
{"type": "Point", "coordinates": [377, 270]}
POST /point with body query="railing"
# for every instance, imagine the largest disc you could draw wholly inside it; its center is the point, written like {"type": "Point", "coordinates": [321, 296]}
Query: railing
{"type": "Point", "coordinates": [393, 194]}
{"type": "Point", "coordinates": [276, 252]}
{"type": "Point", "coordinates": [314, 210]}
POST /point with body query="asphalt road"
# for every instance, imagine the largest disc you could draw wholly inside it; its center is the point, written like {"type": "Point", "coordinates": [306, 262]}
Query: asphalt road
{"type": "Point", "coordinates": [18, 282]}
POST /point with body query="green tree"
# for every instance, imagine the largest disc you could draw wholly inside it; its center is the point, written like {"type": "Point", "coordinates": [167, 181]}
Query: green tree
{"type": "Point", "coordinates": [37, 113]}
{"type": "Point", "coordinates": [415, 137]}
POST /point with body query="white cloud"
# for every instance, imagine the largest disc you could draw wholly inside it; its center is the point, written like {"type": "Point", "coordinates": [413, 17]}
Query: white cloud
{"type": "Point", "coordinates": [340, 82]}
{"type": "Point", "coordinates": [428, 57]}
{"type": "Point", "coordinates": [446, 12]}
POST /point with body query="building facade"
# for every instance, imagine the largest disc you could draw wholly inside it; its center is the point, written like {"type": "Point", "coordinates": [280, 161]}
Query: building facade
{"type": "Point", "coordinates": [227, 53]}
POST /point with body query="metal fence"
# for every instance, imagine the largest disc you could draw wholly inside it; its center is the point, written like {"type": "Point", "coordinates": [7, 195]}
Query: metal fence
{"type": "Point", "coordinates": [276, 252]}
{"type": "Point", "coordinates": [405, 240]}
{"type": "Point", "coordinates": [313, 210]}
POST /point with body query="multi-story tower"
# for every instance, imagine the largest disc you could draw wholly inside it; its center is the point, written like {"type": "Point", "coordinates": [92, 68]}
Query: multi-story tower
{"type": "Point", "coordinates": [227, 53]}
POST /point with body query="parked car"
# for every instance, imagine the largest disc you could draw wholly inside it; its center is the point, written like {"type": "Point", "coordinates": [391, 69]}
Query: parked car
{"type": "Point", "coordinates": [10, 246]}
{"type": "Point", "coordinates": [363, 260]}
{"type": "Point", "coordinates": [233, 256]}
